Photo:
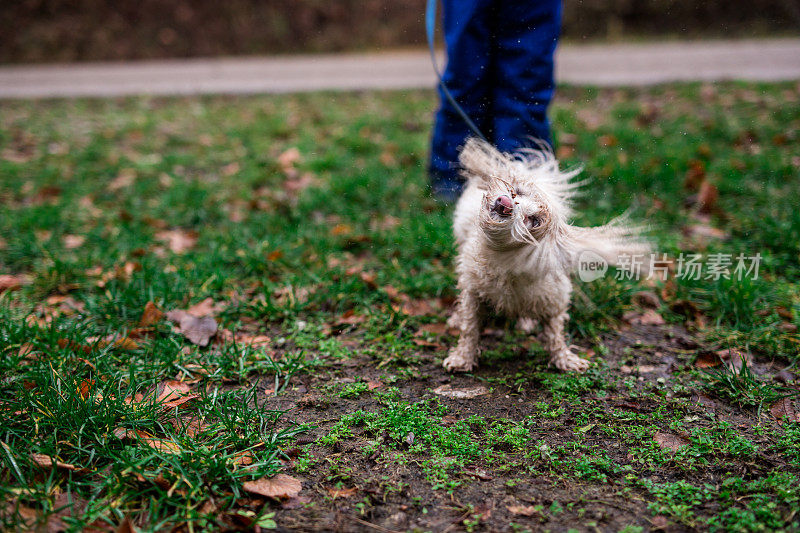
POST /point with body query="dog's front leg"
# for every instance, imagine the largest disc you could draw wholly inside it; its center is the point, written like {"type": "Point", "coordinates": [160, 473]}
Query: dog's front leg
{"type": "Point", "coordinates": [464, 356]}
{"type": "Point", "coordinates": [553, 340]}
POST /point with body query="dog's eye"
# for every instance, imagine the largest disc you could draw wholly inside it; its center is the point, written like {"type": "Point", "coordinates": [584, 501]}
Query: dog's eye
{"type": "Point", "coordinates": [534, 221]}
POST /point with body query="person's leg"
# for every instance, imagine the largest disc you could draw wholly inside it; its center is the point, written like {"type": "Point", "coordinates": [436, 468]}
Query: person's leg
{"type": "Point", "coordinates": [468, 42]}
{"type": "Point", "coordinates": [526, 33]}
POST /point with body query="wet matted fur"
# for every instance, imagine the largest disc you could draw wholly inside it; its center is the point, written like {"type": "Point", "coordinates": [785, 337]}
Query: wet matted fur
{"type": "Point", "coordinates": [517, 249]}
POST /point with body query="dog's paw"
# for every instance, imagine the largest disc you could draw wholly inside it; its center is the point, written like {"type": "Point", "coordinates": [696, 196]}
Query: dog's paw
{"type": "Point", "coordinates": [569, 362]}
{"type": "Point", "coordinates": [526, 325]}
{"type": "Point", "coordinates": [457, 362]}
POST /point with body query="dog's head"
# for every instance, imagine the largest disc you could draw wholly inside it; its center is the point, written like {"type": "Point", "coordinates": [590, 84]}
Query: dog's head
{"type": "Point", "coordinates": [526, 198]}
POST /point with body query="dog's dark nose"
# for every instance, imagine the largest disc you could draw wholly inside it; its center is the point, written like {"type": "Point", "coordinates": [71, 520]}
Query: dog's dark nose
{"type": "Point", "coordinates": [503, 206]}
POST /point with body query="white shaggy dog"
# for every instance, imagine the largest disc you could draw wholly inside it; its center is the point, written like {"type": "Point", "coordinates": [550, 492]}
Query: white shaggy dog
{"type": "Point", "coordinates": [516, 248]}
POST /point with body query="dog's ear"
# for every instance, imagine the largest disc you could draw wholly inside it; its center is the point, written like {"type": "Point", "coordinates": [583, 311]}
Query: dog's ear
{"type": "Point", "coordinates": [480, 160]}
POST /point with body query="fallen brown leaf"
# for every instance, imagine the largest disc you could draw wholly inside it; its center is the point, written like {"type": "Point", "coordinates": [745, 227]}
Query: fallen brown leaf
{"type": "Point", "coordinates": [289, 158]}
{"type": "Point", "coordinates": [649, 318]}
{"type": "Point", "coordinates": [523, 510]}
{"type": "Point", "coordinates": [341, 229]}
{"type": "Point", "coordinates": [428, 344]}
{"type": "Point", "coordinates": [151, 315]}
{"type": "Point", "coordinates": [178, 240]}
{"type": "Point", "coordinates": [707, 197]}
{"type": "Point", "coordinates": [351, 318]}
{"type": "Point", "coordinates": [123, 343]}
{"type": "Point", "coordinates": [707, 360]}
{"type": "Point", "coordinates": [277, 487]}
{"type": "Point", "coordinates": [45, 461]}
{"type": "Point", "coordinates": [669, 441]}
{"type": "Point", "coordinates": [204, 308]}
{"type": "Point", "coordinates": [415, 308]}
{"type": "Point", "coordinates": [197, 330]}
{"type": "Point", "coordinates": [435, 329]}
{"type": "Point", "coordinates": [84, 388]}
{"type": "Point", "coordinates": [9, 282]}
{"type": "Point", "coordinates": [479, 473]}
{"type": "Point", "coordinates": [120, 273]}
{"type": "Point", "coordinates": [73, 241]}
{"type": "Point", "coordinates": [695, 175]}
{"type": "Point", "coordinates": [162, 445]}
{"type": "Point", "coordinates": [255, 341]}
{"type": "Point", "coordinates": [125, 178]}
{"type": "Point", "coordinates": [734, 358]}
{"type": "Point", "coordinates": [175, 393]}
{"type": "Point", "coordinates": [26, 349]}
{"type": "Point", "coordinates": [784, 411]}
{"type": "Point", "coordinates": [341, 493]}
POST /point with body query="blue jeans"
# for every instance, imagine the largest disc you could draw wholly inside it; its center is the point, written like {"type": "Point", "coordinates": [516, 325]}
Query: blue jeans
{"type": "Point", "coordinates": [500, 70]}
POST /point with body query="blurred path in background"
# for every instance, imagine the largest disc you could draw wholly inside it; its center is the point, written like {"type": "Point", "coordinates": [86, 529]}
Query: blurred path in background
{"type": "Point", "coordinates": [602, 65]}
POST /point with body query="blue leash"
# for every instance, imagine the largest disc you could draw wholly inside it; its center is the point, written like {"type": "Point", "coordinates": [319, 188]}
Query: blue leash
{"type": "Point", "coordinates": [430, 28]}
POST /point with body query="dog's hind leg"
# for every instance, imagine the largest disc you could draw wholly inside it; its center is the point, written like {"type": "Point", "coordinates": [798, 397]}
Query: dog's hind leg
{"type": "Point", "coordinates": [553, 340]}
{"type": "Point", "coordinates": [464, 356]}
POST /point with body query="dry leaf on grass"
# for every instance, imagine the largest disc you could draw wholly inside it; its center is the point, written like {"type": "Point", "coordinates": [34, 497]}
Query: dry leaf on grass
{"type": "Point", "coordinates": [350, 318]}
{"type": "Point", "coordinates": [461, 394]}
{"type": "Point", "coordinates": [178, 240]}
{"type": "Point", "coordinates": [341, 493]}
{"type": "Point", "coordinates": [73, 241]}
{"type": "Point", "coordinates": [121, 273]}
{"type": "Point", "coordinates": [151, 315]}
{"type": "Point", "coordinates": [289, 158]}
{"type": "Point", "coordinates": [161, 445]}
{"type": "Point", "coordinates": [707, 197]}
{"type": "Point", "coordinates": [9, 282]}
{"type": "Point", "coordinates": [276, 487]}
{"type": "Point", "coordinates": [735, 358]}
{"type": "Point", "coordinates": [175, 393]}
{"type": "Point", "coordinates": [439, 328]}
{"type": "Point", "coordinates": [197, 330]}
{"type": "Point", "coordinates": [429, 344]}
{"type": "Point", "coordinates": [84, 388]}
{"type": "Point", "coordinates": [707, 360]}
{"type": "Point", "coordinates": [26, 350]}
{"type": "Point", "coordinates": [205, 307]}
{"type": "Point", "coordinates": [125, 178]}
{"type": "Point", "coordinates": [648, 318]}
{"type": "Point", "coordinates": [123, 343]}
{"type": "Point", "coordinates": [523, 510]}
{"type": "Point", "coordinates": [784, 411]}
{"type": "Point", "coordinates": [414, 307]}
{"type": "Point", "coordinates": [341, 229]}
{"type": "Point", "coordinates": [669, 441]}
{"type": "Point", "coordinates": [479, 473]}
{"type": "Point", "coordinates": [45, 461]}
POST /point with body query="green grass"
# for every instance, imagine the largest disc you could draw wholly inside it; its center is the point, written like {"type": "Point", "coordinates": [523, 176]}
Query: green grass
{"type": "Point", "coordinates": [363, 239]}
